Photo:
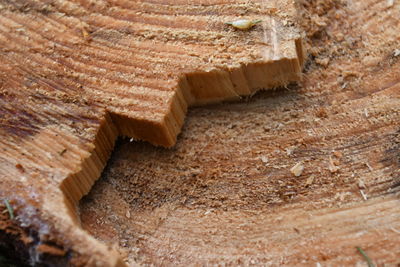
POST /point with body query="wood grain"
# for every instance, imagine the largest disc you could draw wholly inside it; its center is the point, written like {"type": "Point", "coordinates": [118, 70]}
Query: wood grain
{"type": "Point", "coordinates": [76, 74]}
{"type": "Point", "coordinates": [224, 195]}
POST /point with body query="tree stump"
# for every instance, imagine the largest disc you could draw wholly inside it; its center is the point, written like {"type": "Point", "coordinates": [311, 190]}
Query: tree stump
{"type": "Point", "coordinates": [226, 195]}
{"type": "Point", "coordinates": [74, 75]}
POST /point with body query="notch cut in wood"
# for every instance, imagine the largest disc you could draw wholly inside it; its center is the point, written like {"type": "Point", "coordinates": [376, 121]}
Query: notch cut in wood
{"type": "Point", "coordinates": [76, 74]}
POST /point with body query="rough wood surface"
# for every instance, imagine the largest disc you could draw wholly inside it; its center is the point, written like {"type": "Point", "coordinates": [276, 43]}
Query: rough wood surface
{"type": "Point", "coordinates": [76, 74]}
{"type": "Point", "coordinates": [225, 194]}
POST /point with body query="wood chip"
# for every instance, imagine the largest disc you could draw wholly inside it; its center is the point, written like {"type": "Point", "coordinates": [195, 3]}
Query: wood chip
{"type": "Point", "coordinates": [332, 165]}
{"type": "Point", "coordinates": [310, 180]}
{"type": "Point", "coordinates": [264, 159]}
{"type": "Point", "coordinates": [361, 184]}
{"type": "Point", "coordinates": [364, 195]}
{"type": "Point", "coordinates": [369, 166]}
{"type": "Point", "coordinates": [297, 169]}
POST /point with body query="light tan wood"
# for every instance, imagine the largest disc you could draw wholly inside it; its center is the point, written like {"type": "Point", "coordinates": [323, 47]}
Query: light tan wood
{"type": "Point", "coordinates": [76, 74]}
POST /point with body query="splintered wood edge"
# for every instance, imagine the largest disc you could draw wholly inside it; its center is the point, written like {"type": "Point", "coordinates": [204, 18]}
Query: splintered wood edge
{"type": "Point", "coordinates": [78, 184]}
{"type": "Point", "coordinates": [210, 87]}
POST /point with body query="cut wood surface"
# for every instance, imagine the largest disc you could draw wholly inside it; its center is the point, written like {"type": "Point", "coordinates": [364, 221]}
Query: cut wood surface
{"type": "Point", "coordinates": [225, 194]}
{"type": "Point", "coordinates": [74, 75]}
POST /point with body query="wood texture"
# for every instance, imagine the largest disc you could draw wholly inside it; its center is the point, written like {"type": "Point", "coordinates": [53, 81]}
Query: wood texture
{"type": "Point", "coordinates": [76, 74]}
{"type": "Point", "coordinates": [225, 194]}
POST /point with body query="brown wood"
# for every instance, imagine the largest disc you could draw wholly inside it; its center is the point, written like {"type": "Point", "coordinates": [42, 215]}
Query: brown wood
{"type": "Point", "coordinates": [225, 194]}
{"type": "Point", "coordinates": [76, 74]}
